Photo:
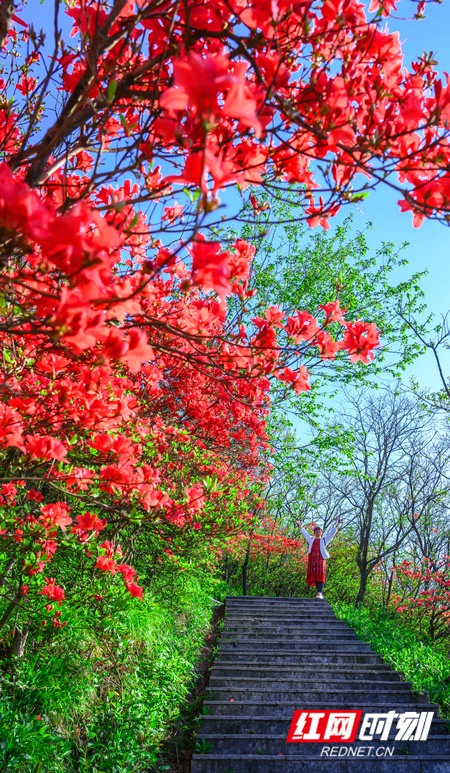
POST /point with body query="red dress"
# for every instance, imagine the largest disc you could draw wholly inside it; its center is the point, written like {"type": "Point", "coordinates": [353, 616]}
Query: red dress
{"type": "Point", "coordinates": [316, 565]}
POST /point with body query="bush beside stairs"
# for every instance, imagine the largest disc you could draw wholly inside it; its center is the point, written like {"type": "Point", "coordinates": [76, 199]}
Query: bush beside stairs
{"type": "Point", "coordinates": [277, 655]}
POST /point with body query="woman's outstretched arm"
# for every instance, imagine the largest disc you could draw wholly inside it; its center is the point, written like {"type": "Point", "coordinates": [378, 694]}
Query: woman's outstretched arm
{"type": "Point", "coordinates": [304, 532]}
{"type": "Point", "coordinates": [329, 535]}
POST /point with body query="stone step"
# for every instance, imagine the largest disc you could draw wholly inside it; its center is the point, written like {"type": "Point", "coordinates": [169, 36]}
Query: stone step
{"type": "Point", "coordinates": [305, 636]}
{"type": "Point", "coordinates": [285, 709]}
{"type": "Point", "coordinates": [209, 763]}
{"type": "Point", "coordinates": [280, 655]}
{"type": "Point", "coordinates": [307, 683]}
{"type": "Point", "coordinates": [298, 657]}
{"type": "Point", "coordinates": [268, 671]}
{"type": "Point", "coordinates": [258, 645]}
{"type": "Point", "coordinates": [245, 724]}
{"type": "Point", "coordinates": [238, 625]}
{"type": "Point", "coordinates": [286, 612]}
{"type": "Point", "coordinates": [316, 609]}
{"type": "Point", "coordinates": [278, 614]}
{"type": "Point", "coordinates": [283, 616]}
{"type": "Point", "coordinates": [292, 627]}
{"type": "Point", "coordinates": [276, 744]}
{"type": "Point", "coordinates": [298, 599]}
{"type": "Point", "coordinates": [316, 606]}
{"type": "Point", "coordinates": [288, 620]}
{"type": "Point", "coordinates": [293, 622]}
{"type": "Point", "coordinates": [252, 600]}
{"type": "Point", "coordinates": [311, 629]}
{"type": "Point", "coordinates": [398, 694]}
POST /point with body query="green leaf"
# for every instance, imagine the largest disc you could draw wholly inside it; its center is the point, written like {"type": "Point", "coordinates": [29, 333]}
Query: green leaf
{"type": "Point", "coordinates": [134, 221]}
{"type": "Point", "coordinates": [124, 124]}
{"type": "Point", "coordinates": [112, 88]}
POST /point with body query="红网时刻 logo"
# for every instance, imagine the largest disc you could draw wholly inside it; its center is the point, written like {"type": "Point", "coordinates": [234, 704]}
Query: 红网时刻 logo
{"type": "Point", "coordinates": [342, 726]}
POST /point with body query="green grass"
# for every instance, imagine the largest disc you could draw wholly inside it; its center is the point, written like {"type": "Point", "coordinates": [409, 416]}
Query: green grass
{"type": "Point", "coordinates": [105, 694]}
{"type": "Point", "coordinates": [422, 663]}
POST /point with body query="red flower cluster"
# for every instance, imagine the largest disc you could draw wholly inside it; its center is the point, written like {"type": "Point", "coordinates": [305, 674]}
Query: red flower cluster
{"type": "Point", "coordinates": [422, 593]}
{"type": "Point", "coordinates": [124, 380]}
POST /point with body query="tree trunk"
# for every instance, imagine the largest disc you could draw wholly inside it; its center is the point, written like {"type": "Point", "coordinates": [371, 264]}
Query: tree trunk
{"type": "Point", "coordinates": [391, 578]}
{"type": "Point", "coordinates": [263, 587]}
{"type": "Point", "coordinates": [18, 642]}
{"type": "Point", "coordinates": [363, 552]}
{"type": "Point", "coordinates": [7, 570]}
{"type": "Point", "coordinates": [6, 11]}
{"type": "Point", "coordinates": [9, 610]}
{"type": "Point", "coordinates": [362, 586]}
{"type": "Point", "coordinates": [244, 572]}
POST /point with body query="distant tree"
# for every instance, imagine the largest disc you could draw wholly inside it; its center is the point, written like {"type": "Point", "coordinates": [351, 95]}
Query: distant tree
{"type": "Point", "coordinates": [295, 268]}
{"type": "Point", "coordinates": [434, 337]}
{"type": "Point", "coordinates": [393, 476]}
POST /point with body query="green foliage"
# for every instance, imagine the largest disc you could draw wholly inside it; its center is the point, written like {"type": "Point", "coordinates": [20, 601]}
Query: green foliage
{"type": "Point", "coordinates": [100, 696]}
{"type": "Point", "coordinates": [300, 268]}
{"type": "Point", "coordinates": [284, 573]}
{"type": "Point", "coordinates": [422, 663]}
{"type": "Point", "coordinates": [269, 575]}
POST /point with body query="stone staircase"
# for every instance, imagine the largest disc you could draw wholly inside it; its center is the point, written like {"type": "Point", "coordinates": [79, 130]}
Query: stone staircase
{"type": "Point", "coordinates": [278, 655]}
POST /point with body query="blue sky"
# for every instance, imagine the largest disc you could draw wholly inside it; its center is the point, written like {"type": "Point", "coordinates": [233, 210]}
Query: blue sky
{"type": "Point", "coordinates": [430, 245]}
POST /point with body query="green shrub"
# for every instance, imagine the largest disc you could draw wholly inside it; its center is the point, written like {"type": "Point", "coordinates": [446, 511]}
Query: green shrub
{"type": "Point", "coordinates": [424, 664]}
{"type": "Point", "coordinates": [101, 695]}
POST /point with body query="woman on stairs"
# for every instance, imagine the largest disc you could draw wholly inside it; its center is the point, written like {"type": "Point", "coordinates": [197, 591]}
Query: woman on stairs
{"type": "Point", "coordinates": [317, 555]}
